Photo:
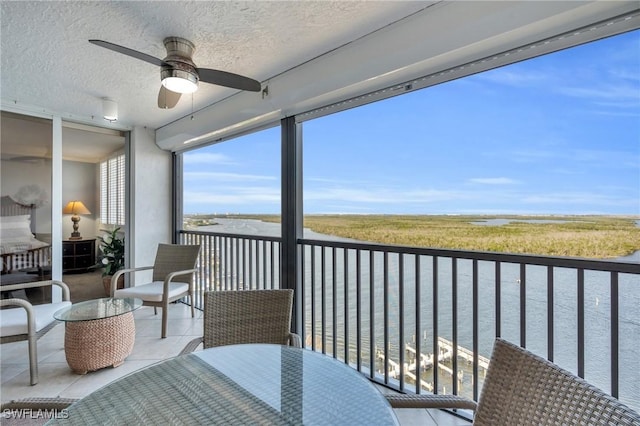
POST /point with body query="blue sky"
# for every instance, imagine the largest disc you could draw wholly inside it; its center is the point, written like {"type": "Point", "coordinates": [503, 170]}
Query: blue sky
{"type": "Point", "coordinates": [558, 134]}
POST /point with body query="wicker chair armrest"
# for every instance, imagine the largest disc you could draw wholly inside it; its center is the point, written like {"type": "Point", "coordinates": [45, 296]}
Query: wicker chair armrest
{"type": "Point", "coordinates": [66, 293]}
{"type": "Point", "coordinates": [429, 401]}
{"type": "Point", "coordinates": [171, 276]}
{"type": "Point", "coordinates": [191, 346]}
{"type": "Point", "coordinates": [22, 286]}
{"type": "Point", "coordinates": [295, 340]}
{"type": "Point", "coordinates": [114, 278]}
{"type": "Point", "coordinates": [118, 274]}
{"type": "Point", "coordinates": [174, 274]}
{"type": "Point", "coordinates": [129, 270]}
{"type": "Point", "coordinates": [16, 302]}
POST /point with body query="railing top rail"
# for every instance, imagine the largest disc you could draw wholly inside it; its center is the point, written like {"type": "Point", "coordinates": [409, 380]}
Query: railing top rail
{"type": "Point", "coordinates": [530, 259]}
{"type": "Point", "coordinates": [228, 235]}
{"type": "Point", "coordinates": [556, 261]}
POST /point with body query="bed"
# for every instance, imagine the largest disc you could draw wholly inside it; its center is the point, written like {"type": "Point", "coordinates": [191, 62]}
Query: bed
{"type": "Point", "coordinates": [19, 248]}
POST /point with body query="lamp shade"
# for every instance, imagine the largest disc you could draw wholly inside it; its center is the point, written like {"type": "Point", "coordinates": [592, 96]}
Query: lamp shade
{"type": "Point", "coordinates": [179, 81]}
{"type": "Point", "coordinates": [75, 207]}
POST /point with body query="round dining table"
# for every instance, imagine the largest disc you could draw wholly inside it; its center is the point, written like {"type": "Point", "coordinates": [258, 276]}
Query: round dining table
{"type": "Point", "coordinates": [250, 384]}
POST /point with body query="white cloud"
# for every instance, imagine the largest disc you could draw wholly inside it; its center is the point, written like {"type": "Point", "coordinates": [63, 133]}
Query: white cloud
{"type": "Point", "coordinates": [225, 177]}
{"type": "Point", "coordinates": [587, 198]}
{"type": "Point", "coordinates": [494, 181]}
{"type": "Point", "coordinates": [196, 157]}
{"type": "Point", "coordinates": [384, 195]}
{"type": "Point", "coordinates": [335, 181]}
{"type": "Point", "coordinates": [622, 94]}
{"type": "Point", "coordinates": [233, 196]}
{"type": "Point", "coordinates": [512, 78]}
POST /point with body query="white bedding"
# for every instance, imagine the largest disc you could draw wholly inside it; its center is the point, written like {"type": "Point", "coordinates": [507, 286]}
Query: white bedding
{"type": "Point", "coordinates": [16, 236]}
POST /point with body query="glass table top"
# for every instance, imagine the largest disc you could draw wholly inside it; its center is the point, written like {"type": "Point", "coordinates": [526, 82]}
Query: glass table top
{"type": "Point", "coordinates": [240, 384]}
{"type": "Point", "coordinates": [302, 386]}
{"type": "Point", "coordinates": [97, 309]}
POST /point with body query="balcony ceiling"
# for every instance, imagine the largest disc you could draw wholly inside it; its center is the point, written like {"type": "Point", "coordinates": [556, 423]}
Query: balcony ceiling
{"type": "Point", "coordinates": [306, 52]}
{"type": "Point", "coordinates": [48, 63]}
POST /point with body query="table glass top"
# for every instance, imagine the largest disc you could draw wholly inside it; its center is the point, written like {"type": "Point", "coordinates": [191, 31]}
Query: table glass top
{"type": "Point", "coordinates": [239, 384]}
{"type": "Point", "coordinates": [301, 386]}
{"type": "Point", "coordinates": [97, 309]}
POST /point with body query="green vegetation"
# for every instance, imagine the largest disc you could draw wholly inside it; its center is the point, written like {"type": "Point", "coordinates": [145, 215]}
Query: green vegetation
{"type": "Point", "coordinates": [580, 236]}
{"type": "Point", "coordinates": [200, 221]}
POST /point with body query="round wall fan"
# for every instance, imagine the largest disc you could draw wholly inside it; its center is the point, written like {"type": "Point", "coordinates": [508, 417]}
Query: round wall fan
{"type": "Point", "coordinates": [179, 74]}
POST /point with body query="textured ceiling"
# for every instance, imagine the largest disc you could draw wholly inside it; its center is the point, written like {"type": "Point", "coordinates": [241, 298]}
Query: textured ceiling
{"type": "Point", "coordinates": [311, 53]}
{"type": "Point", "coordinates": [48, 64]}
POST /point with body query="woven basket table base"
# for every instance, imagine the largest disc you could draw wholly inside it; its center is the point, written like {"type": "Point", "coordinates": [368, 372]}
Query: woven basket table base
{"type": "Point", "coordinates": [95, 344]}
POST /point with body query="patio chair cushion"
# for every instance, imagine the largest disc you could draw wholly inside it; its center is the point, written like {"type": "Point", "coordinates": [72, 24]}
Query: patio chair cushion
{"type": "Point", "coordinates": [152, 292]}
{"type": "Point", "coordinates": [14, 320]}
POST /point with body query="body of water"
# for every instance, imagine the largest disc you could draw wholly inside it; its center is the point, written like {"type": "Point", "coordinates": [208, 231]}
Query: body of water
{"type": "Point", "coordinates": [597, 308]}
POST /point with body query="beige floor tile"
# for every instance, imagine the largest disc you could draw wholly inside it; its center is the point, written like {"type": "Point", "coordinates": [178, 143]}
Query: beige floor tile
{"type": "Point", "coordinates": [150, 348]}
{"type": "Point", "coordinates": [94, 380]}
{"type": "Point", "coordinates": [57, 380]}
{"type": "Point", "coordinates": [411, 416]}
{"type": "Point", "coordinates": [52, 379]}
{"type": "Point", "coordinates": [443, 418]}
{"type": "Point", "coordinates": [9, 371]}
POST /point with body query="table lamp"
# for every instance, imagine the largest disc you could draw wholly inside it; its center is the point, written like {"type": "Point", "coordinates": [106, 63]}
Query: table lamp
{"type": "Point", "coordinates": [75, 208]}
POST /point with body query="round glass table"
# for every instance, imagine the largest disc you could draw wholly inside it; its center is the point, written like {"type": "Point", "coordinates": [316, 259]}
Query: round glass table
{"type": "Point", "coordinates": [98, 333]}
{"type": "Point", "coordinates": [256, 384]}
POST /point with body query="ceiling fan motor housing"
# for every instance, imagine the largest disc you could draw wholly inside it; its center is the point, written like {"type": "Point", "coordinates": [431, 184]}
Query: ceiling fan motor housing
{"type": "Point", "coordinates": [179, 53]}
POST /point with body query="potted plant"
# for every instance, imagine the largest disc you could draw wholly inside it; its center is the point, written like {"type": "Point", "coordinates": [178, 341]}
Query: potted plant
{"type": "Point", "coordinates": [111, 258]}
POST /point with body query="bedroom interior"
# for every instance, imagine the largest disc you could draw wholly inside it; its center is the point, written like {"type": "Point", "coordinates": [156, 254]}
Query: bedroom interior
{"type": "Point", "coordinates": [25, 222]}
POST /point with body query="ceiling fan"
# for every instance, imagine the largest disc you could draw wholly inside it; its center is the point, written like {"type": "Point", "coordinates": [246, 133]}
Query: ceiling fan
{"type": "Point", "coordinates": [179, 74]}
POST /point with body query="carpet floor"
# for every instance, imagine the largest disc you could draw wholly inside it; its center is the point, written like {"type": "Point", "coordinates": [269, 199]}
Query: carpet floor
{"type": "Point", "coordinates": [84, 286]}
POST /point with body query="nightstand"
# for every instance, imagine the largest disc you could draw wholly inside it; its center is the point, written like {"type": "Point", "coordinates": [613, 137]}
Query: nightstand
{"type": "Point", "coordinates": [78, 255]}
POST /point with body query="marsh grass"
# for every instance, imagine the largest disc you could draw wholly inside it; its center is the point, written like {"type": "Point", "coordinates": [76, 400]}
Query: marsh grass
{"type": "Point", "coordinates": [580, 236]}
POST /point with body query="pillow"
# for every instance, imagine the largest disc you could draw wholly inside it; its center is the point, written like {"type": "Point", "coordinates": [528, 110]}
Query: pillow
{"type": "Point", "coordinates": [19, 219]}
{"type": "Point", "coordinates": [15, 227]}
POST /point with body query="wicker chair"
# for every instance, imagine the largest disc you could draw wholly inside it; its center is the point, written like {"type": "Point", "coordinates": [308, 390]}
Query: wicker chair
{"type": "Point", "coordinates": [524, 389]}
{"type": "Point", "coordinates": [172, 261]}
{"type": "Point", "coordinates": [246, 316]}
{"type": "Point", "coordinates": [29, 322]}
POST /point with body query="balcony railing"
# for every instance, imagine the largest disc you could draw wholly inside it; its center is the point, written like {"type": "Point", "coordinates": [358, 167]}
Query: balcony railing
{"type": "Point", "coordinates": [419, 319]}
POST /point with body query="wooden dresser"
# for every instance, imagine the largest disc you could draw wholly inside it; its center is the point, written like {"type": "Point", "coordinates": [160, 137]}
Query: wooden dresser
{"type": "Point", "coordinates": [78, 255]}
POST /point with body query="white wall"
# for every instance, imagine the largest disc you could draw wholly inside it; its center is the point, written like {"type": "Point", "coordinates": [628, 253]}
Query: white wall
{"type": "Point", "coordinates": [150, 199]}
{"type": "Point", "coordinates": [79, 183]}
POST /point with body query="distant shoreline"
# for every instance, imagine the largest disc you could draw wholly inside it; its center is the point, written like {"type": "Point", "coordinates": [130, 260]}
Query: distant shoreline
{"type": "Point", "coordinates": [588, 236]}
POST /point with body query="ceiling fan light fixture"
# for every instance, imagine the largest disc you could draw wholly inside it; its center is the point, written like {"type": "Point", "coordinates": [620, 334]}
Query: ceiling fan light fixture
{"type": "Point", "coordinates": [179, 81]}
{"type": "Point", "coordinates": [179, 74]}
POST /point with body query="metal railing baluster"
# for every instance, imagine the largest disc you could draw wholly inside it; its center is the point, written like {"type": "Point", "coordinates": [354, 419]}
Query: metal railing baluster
{"type": "Point", "coordinates": [418, 310]}
{"type": "Point", "coordinates": [550, 313]}
{"type": "Point", "coordinates": [227, 263]}
{"type": "Point", "coordinates": [454, 324]}
{"type": "Point", "coordinates": [523, 305]}
{"type": "Point", "coordinates": [615, 343]}
{"type": "Point", "coordinates": [345, 269]}
{"type": "Point", "coordinates": [580, 330]}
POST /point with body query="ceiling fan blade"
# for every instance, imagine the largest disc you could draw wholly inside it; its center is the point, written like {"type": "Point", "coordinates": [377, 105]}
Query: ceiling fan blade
{"type": "Point", "coordinates": [167, 99]}
{"type": "Point", "coordinates": [129, 52]}
{"type": "Point", "coordinates": [227, 79]}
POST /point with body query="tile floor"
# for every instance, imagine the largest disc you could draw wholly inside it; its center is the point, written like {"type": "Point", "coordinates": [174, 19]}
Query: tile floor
{"type": "Point", "coordinates": [57, 380]}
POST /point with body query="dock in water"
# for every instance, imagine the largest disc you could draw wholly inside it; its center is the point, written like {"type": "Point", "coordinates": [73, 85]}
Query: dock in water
{"type": "Point", "coordinates": [445, 354]}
